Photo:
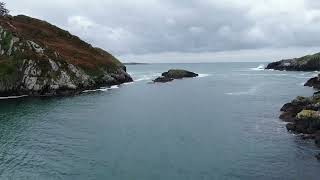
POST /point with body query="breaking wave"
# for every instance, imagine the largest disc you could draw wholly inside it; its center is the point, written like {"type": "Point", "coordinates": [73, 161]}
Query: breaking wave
{"type": "Point", "coordinates": [103, 89]}
{"type": "Point", "coordinates": [204, 75]}
{"type": "Point", "coordinates": [261, 67]}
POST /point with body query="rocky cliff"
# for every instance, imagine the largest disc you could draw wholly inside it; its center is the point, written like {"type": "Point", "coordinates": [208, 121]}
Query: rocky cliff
{"type": "Point", "coordinates": [40, 59]}
{"type": "Point", "coordinates": [305, 63]}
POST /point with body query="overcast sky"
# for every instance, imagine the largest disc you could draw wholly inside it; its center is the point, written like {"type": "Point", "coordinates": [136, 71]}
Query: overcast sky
{"type": "Point", "coordinates": [187, 30]}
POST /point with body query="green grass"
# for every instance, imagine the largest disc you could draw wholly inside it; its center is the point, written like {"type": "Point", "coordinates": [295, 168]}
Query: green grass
{"type": "Point", "coordinates": [7, 68]}
{"type": "Point", "coordinates": [5, 43]}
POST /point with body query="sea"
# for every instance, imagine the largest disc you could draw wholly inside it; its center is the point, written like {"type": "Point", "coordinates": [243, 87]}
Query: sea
{"type": "Point", "coordinates": [222, 125]}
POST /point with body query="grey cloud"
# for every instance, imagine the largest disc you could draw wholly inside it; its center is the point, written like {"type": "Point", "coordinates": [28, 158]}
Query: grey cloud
{"type": "Point", "coordinates": [154, 26]}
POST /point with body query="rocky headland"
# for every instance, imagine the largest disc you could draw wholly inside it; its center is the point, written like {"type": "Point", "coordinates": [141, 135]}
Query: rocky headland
{"type": "Point", "coordinates": [173, 74]}
{"type": "Point", "coordinates": [305, 63]}
{"type": "Point", "coordinates": [40, 59]}
{"type": "Point", "coordinates": [303, 113]}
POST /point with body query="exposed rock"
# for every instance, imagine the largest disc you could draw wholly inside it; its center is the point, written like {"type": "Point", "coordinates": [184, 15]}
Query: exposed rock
{"type": "Point", "coordinates": [306, 63]}
{"type": "Point", "coordinates": [179, 74]}
{"type": "Point", "coordinates": [318, 156]}
{"type": "Point", "coordinates": [39, 59]}
{"type": "Point", "coordinates": [313, 82]}
{"type": "Point", "coordinates": [175, 74]}
{"type": "Point", "coordinates": [163, 79]}
{"type": "Point", "coordinates": [317, 138]}
{"type": "Point", "coordinates": [303, 114]}
{"type": "Point", "coordinates": [290, 110]}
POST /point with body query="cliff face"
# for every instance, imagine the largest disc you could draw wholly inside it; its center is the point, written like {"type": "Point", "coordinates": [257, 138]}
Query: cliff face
{"type": "Point", "coordinates": [39, 59]}
{"type": "Point", "coordinates": [305, 63]}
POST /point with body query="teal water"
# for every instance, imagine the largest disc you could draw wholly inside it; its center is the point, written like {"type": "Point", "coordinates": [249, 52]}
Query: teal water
{"type": "Point", "coordinates": [222, 125]}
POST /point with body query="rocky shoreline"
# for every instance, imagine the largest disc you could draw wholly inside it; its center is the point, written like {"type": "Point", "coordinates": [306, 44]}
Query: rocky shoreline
{"type": "Point", "coordinates": [303, 113]}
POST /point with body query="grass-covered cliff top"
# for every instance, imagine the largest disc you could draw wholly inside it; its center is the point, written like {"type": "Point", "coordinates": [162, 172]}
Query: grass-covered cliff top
{"type": "Point", "coordinates": [307, 58]}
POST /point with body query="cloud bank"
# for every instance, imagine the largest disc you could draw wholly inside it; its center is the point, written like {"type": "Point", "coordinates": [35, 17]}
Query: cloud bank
{"type": "Point", "coordinates": [142, 28]}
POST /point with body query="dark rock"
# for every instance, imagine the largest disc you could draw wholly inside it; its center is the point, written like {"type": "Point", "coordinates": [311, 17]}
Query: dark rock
{"type": "Point", "coordinates": [316, 93]}
{"type": "Point", "coordinates": [306, 63]}
{"type": "Point", "coordinates": [307, 122]}
{"type": "Point", "coordinates": [179, 74]}
{"type": "Point", "coordinates": [308, 136]}
{"type": "Point", "coordinates": [175, 74]}
{"type": "Point", "coordinates": [290, 110]}
{"type": "Point", "coordinates": [318, 156]}
{"type": "Point", "coordinates": [291, 127]}
{"type": "Point", "coordinates": [313, 82]}
{"type": "Point", "coordinates": [317, 138]}
{"type": "Point", "coordinates": [163, 79]}
{"type": "Point", "coordinates": [288, 116]}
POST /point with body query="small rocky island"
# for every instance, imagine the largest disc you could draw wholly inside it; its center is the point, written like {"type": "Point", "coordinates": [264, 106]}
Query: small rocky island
{"type": "Point", "coordinates": [175, 74]}
{"type": "Point", "coordinates": [40, 59]}
{"type": "Point", "coordinates": [303, 113]}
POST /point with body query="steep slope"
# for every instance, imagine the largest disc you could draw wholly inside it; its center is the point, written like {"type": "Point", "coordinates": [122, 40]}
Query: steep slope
{"type": "Point", "coordinates": [39, 59]}
{"type": "Point", "coordinates": [305, 63]}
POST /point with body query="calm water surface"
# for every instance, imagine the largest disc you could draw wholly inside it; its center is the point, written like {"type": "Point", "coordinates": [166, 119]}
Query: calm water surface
{"type": "Point", "coordinates": [222, 125]}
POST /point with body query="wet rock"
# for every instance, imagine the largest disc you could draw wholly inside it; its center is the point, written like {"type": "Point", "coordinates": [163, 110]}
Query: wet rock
{"type": "Point", "coordinates": [163, 80]}
{"type": "Point", "coordinates": [291, 127]}
{"type": "Point", "coordinates": [179, 74]}
{"type": "Point", "coordinates": [175, 74]}
{"type": "Point", "coordinates": [313, 82]}
{"type": "Point", "coordinates": [317, 138]}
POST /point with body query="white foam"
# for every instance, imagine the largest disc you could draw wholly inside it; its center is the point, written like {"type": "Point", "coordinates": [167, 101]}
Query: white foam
{"type": "Point", "coordinates": [103, 89]}
{"type": "Point", "coordinates": [13, 97]}
{"type": "Point", "coordinates": [204, 75]}
{"type": "Point", "coordinates": [261, 67]}
{"type": "Point", "coordinates": [146, 77]}
{"type": "Point", "coordinates": [113, 87]}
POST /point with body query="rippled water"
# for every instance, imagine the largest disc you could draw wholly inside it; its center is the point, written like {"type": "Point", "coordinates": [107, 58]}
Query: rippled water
{"type": "Point", "coordinates": [222, 125]}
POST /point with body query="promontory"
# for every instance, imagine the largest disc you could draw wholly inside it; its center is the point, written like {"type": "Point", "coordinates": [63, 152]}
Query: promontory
{"type": "Point", "coordinates": [40, 59]}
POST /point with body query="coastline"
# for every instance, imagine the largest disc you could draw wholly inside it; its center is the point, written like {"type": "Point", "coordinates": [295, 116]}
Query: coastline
{"type": "Point", "coordinates": [302, 114]}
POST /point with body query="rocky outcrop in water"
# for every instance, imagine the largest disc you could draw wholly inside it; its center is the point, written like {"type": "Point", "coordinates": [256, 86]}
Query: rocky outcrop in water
{"type": "Point", "coordinates": [305, 63]}
{"type": "Point", "coordinates": [175, 74]}
{"type": "Point", "coordinates": [39, 59]}
{"type": "Point", "coordinates": [313, 82]}
{"type": "Point", "coordinates": [303, 117]}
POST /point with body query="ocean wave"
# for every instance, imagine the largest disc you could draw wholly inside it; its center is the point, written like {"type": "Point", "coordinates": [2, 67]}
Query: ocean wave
{"type": "Point", "coordinates": [13, 97]}
{"type": "Point", "coordinates": [261, 67]}
{"type": "Point", "coordinates": [146, 77]}
{"type": "Point", "coordinates": [103, 89]}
